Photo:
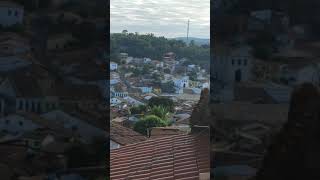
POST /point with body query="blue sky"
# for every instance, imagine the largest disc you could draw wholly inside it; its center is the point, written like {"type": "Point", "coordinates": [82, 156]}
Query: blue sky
{"type": "Point", "coordinates": [161, 17]}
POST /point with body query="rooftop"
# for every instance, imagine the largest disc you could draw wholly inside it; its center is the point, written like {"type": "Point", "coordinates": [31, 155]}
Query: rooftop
{"type": "Point", "coordinates": [124, 136]}
{"type": "Point", "coordinates": [180, 157]}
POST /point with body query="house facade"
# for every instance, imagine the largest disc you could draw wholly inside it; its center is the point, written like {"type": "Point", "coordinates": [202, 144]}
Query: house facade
{"type": "Point", "coordinates": [182, 82]}
{"type": "Point", "coordinates": [113, 66]}
{"type": "Point", "coordinates": [146, 89]}
{"type": "Point", "coordinates": [11, 13]}
{"type": "Point", "coordinates": [232, 65]}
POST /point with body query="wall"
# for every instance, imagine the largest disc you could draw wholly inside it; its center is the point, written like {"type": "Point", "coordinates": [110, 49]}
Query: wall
{"type": "Point", "coordinates": [8, 20]}
{"type": "Point", "coordinates": [12, 124]}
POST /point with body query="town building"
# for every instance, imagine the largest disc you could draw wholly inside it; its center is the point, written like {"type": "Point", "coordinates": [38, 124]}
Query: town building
{"type": "Point", "coordinates": [11, 13]}
{"type": "Point", "coordinates": [113, 66]}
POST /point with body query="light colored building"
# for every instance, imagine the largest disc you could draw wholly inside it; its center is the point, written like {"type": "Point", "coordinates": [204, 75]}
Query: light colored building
{"type": "Point", "coordinates": [11, 13]}
{"type": "Point", "coordinates": [182, 82]}
{"type": "Point", "coordinates": [115, 101]}
{"type": "Point", "coordinates": [15, 124]}
{"type": "Point", "coordinates": [120, 94]}
{"type": "Point", "coordinates": [231, 65]}
{"type": "Point", "coordinates": [146, 89]}
{"type": "Point", "coordinates": [147, 60]}
{"type": "Point", "coordinates": [113, 66]}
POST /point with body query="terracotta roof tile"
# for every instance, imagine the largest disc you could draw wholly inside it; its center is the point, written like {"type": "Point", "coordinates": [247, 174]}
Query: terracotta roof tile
{"type": "Point", "coordinates": [166, 158]}
{"type": "Point", "coordinates": [124, 136]}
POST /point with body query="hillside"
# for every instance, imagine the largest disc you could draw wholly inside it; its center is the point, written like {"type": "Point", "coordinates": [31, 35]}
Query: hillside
{"type": "Point", "coordinates": [197, 41]}
{"type": "Point", "coordinates": [148, 45]}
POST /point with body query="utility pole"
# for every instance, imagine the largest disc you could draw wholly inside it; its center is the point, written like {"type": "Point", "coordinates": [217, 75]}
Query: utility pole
{"type": "Point", "coordinates": [188, 31]}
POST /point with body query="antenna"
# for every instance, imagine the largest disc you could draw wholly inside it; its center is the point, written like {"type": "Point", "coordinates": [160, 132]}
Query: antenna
{"type": "Point", "coordinates": [188, 31]}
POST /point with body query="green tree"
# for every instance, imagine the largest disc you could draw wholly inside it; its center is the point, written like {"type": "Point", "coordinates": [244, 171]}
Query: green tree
{"type": "Point", "coordinates": [192, 75]}
{"type": "Point", "coordinates": [162, 101]}
{"type": "Point", "coordinates": [160, 111]}
{"type": "Point", "coordinates": [146, 124]}
{"type": "Point", "coordinates": [148, 45]}
{"type": "Point", "coordinates": [141, 109]}
{"type": "Point", "coordinates": [168, 87]}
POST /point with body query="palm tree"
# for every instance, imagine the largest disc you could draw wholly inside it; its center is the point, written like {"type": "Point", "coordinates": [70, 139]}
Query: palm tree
{"type": "Point", "coordinates": [160, 111]}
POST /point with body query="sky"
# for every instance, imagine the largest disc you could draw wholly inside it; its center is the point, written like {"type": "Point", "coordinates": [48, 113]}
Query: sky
{"type": "Point", "coordinates": [167, 18]}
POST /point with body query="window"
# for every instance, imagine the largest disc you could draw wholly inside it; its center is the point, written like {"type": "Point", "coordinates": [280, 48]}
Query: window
{"type": "Point", "coordinates": [7, 121]}
{"type": "Point", "coordinates": [232, 61]}
{"type": "Point", "coordinates": [27, 105]}
{"type": "Point", "coordinates": [33, 107]}
{"type": "Point", "coordinates": [9, 12]}
{"type": "Point", "coordinates": [20, 123]}
{"type": "Point", "coordinates": [245, 62]}
{"type": "Point", "coordinates": [20, 105]}
{"type": "Point", "coordinates": [16, 13]}
{"type": "Point", "coordinates": [239, 62]}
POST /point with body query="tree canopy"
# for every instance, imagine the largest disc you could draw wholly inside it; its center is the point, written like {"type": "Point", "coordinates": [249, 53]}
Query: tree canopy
{"type": "Point", "coordinates": [148, 45]}
{"type": "Point", "coordinates": [160, 111]}
{"type": "Point", "coordinates": [162, 101]}
{"type": "Point", "coordinates": [150, 121]}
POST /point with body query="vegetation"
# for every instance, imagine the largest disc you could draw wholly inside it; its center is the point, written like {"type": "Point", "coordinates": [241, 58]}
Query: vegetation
{"type": "Point", "coordinates": [162, 101]}
{"type": "Point", "coordinates": [167, 87]}
{"type": "Point", "coordinates": [160, 111]}
{"type": "Point", "coordinates": [144, 125]}
{"type": "Point", "coordinates": [148, 45]}
{"type": "Point", "coordinates": [141, 109]}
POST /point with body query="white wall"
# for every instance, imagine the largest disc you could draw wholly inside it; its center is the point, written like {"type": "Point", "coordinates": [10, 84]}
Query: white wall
{"type": "Point", "coordinates": [8, 20]}
{"type": "Point", "coordinates": [17, 124]}
{"type": "Point", "coordinates": [225, 66]}
{"type": "Point", "coordinates": [114, 145]}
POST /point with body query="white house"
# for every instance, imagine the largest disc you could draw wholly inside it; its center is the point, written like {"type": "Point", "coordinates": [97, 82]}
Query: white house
{"type": "Point", "coordinates": [123, 56]}
{"type": "Point", "coordinates": [146, 89]}
{"type": "Point", "coordinates": [115, 101]}
{"type": "Point", "coordinates": [133, 101]}
{"type": "Point", "coordinates": [16, 124]}
{"type": "Point", "coordinates": [113, 81]}
{"type": "Point", "coordinates": [205, 85]}
{"type": "Point", "coordinates": [146, 60]}
{"type": "Point", "coordinates": [113, 66]}
{"type": "Point", "coordinates": [182, 82]}
{"type": "Point", "coordinates": [11, 13]}
{"type": "Point", "coordinates": [191, 66]}
{"type": "Point", "coordinates": [232, 65]}
{"type": "Point", "coordinates": [120, 94]}
{"type": "Point", "coordinates": [128, 60]}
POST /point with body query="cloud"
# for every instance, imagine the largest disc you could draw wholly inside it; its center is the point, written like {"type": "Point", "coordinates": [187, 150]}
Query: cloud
{"type": "Point", "coordinates": [163, 18]}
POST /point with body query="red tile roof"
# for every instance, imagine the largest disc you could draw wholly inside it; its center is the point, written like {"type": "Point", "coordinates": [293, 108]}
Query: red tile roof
{"type": "Point", "coordinates": [124, 136]}
{"type": "Point", "coordinates": [178, 157]}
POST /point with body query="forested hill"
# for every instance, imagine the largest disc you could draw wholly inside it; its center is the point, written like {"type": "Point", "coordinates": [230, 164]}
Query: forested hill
{"type": "Point", "coordinates": [148, 45]}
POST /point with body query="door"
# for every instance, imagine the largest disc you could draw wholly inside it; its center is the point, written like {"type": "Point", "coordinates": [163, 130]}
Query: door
{"type": "Point", "coordinates": [238, 75]}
